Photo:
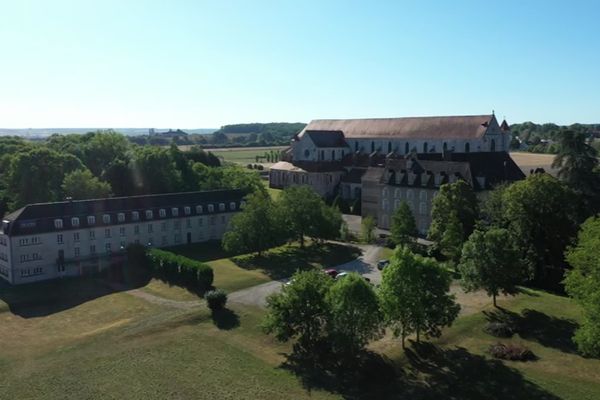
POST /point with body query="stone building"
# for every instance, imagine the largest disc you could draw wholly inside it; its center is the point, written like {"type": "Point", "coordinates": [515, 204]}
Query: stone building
{"type": "Point", "coordinates": [69, 238]}
{"type": "Point", "coordinates": [381, 162]}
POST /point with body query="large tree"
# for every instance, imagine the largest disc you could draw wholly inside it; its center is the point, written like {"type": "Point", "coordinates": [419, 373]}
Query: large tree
{"type": "Point", "coordinates": [583, 284]}
{"type": "Point", "coordinates": [303, 211]}
{"type": "Point", "coordinates": [403, 229]}
{"type": "Point", "coordinates": [414, 295]}
{"type": "Point", "coordinates": [256, 228]}
{"type": "Point", "coordinates": [491, 261]}
{"type": "Point", "coordinates": [101, 148]}
{"type": "Point", "coordinates": [367, 227]}
{"type": "Point", "coordinates": [300, 311]}
{"type": "Point", "coordinates": [355, 318]}
{"type": "Point", "coordinates": [455, 198]}
{"type": "Point", "coordinates": [154, 171]}
{"type": "Point", "coordinates": [81, 184]}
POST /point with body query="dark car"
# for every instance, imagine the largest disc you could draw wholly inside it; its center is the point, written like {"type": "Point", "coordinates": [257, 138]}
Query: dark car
{"type": "Point", "coordinates": [331, 272]}
{"type": "Point", "coordinates": [381, 264]}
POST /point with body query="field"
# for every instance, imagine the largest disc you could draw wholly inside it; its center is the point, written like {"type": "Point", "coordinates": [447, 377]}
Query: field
{"type": "Point", "coordinates": [529, 161]}
{"type": "Point", "coordinates": [241, 155]}
{"type": "Point", "coordinates": [77, 339]}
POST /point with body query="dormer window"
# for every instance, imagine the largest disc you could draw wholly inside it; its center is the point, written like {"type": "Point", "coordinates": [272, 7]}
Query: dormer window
{"type": "Point", "coordinates": [91, 220]}
{"type": "Point", "coordinates": [135, 215]}
{"type": "Point", "coordinates": [106, 219]}
{"type": "Point", "coordinates": [74, 222]}
{"type": "Point", "coordinates": [211, 208]}
{"type": "Point", "coordinates": [187, 210]}
{"type": "Point", "coordinates": [58, 223]}
{"type": "Point", "coordinates": [149, 214]}
{"type": "Point", "coordinates": [221, 206]}
{"type": "Point", "coordinates": [232, 205]}
{"type": "Point", "coordinates": [175, 211]}
{"type": "Point", "coordinates": [162, 213]}
{"type": "Point", "coordinates": [199, 210]}
{"type": "Point", "coordinates": [121, 217]}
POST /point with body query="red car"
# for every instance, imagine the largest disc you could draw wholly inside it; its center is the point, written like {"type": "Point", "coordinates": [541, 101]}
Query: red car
{"type": "Point", "coordinates": [331, 272]}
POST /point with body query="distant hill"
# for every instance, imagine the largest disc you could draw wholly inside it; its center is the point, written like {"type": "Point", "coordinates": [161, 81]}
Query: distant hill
{"type": "Point", "coordinates": [273, 133]}
{"type": "Point", "coordinates": [45, 132]}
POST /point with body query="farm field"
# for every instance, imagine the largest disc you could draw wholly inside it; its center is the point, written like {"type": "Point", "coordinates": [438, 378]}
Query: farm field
{"type": "Point", "coordinates": [240, 155]}
{"type": "Point", "coordinates": [528, 161]}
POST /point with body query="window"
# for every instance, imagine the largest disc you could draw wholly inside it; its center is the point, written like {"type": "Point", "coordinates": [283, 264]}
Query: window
{"type": "Point", "coordinates": [92, 235]}
{"type": "Point", "coordinates": [187, 210]}
{"type": "Point", "coordinates": [332, 155]}
{"type": "Point", "coordinates": [188, 223]}
{"type": "Point", "coordinates": [306, 153]}
{"type": "Point", "coordinates": [149, 214]}
{"type": "Point", "coordinates": [177, 225]}
{"type": "Point", "coordinates": [423, 208]}
{"type": "Point", "coordinates": [389, 147]}
{"type": "Point", "coordinates": [135, 215]}
{"type": "Point", "coordinates": [106, 219]}
{"type": "Point", "coordinates": [177, 238]}
{"type": "Point", "coordinates": [384, 192]}
{"type": "Point", "coordinates": [58, 223]}
{"type": "Point", "coordinates": [406, 148]}
{"type": "Point", "coordinates": [93, 249]}
{"type": "Point", "coordinates": [232, 205]}
{"type": "Point", "coordinates": [423, 195]}
{"type": "Point", "coordinates": [23, 242]}
{"type": "Point", "coordinates": [322, 155]}
{"type": "Point", "coordinates": [242, 204]}
{"type": "Point", "coordinates": [76, 251]}
{"type": "Point", "coordinates": [397, 193]}
{"type": "Point", "coordinates": [121, 217]}
{"type": "Point", "coordinates": [75, 222]}
{"type": "Point", "coordinates": [493, 145]}
{"type": "Point", "coordinates": [91, 220]}
{"type": "Point", "coordinates": [212, 220]}
{"type": "Point", "coordinates": [162, 213]}
{"type": "Point", "coordinates": [122, 231]}
{"type": "Point", "coordinates": [107, 247]}
{"type": "Point", "coordinates": [200, 221]}
{"type": "Point", "coordinates": [136, 230]}
{"type": "Point", "coordinates": [76, 237]}
{"type": "Point", "coordinates": [163, 226]}
{"type": "Point", "coordinates": [221, 206]}
{"type": "Point", "coordinates": [355, 146]}
{"type": "Point", "coordinates": [211, 208]}
{"type": "Point", "coordinates": [150, 228]}
{"type": "Point", "coordinates": [175, 211]}
{"type": "Point", "coordinates": [164, 241]}
{"type": "Point", "coordinates": [59, 239]}
{"type": "Point", "coordinates": [445, 147]}
{"type": "Point", "coordinates": [107, 233]}
{"type": "Point", "coordinates": [467, 147]}
{"type": "Point", "coordinates": [122, 245]}
{"type": "Point", "coordinates": [425, 148]}
{"type": "Point", "coordinates": [385, 205]}
{"type": "Point", "coordinates": [223, 220]}
{"type": "Point", "coordinates": [199, 210]}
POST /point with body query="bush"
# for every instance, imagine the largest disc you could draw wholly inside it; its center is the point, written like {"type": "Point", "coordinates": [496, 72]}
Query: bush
{"type": "Point", "coordinates": [180, 270]}
{"type": "Point", "coordinates": [512, 352]}
{"type": "Point", "coordinates": [499, 329]}
{"type": "Point", "coordinates": [216, 299]}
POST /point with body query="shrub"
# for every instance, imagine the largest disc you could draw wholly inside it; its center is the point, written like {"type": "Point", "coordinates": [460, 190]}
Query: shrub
{"type": "Point", "coordinates": [216, 299]}
{"type": "Point", "coordinates": [512, 352]}
{"type": "Point", "coordinates": [500, 329]}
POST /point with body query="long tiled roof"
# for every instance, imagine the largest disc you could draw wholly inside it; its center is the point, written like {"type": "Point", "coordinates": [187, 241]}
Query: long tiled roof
{"type": "Point", "coordinates": [455, 127]}
{"type": "Point", "coordinates": [38, 218]}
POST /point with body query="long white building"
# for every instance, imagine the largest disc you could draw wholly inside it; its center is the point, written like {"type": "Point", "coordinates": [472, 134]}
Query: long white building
{"type": "Point", "coordinates": [69, 238]}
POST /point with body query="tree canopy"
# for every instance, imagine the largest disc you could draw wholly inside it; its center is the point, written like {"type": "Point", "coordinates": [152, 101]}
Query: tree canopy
{"type": "Point", "coordinates": [81, 184]}
{"type": "Point", "coordinates": [403, 229]}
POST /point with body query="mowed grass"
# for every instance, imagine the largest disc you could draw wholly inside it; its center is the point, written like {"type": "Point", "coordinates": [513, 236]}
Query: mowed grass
{"type": "Point", "coordinates": [244, 155]}
{"type": "Point", "coordinates": [528, 161]}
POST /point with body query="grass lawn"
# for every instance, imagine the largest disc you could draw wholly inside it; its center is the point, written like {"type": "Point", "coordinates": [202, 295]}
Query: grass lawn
{"type": "Point", "coordinates": [274, 193]}
{"type": "Point", "coordinates": [245, 155]}
{"type": "Point", "coordinates": [171, 292]}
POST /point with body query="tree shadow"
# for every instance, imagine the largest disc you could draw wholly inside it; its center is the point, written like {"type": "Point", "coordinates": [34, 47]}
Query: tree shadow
{"type": "Point", "coordinates": [225, 319]}
{"type": "Point", "coordinates": [534, 325]}
{"type": "Point", "coordinates": [283, 261]}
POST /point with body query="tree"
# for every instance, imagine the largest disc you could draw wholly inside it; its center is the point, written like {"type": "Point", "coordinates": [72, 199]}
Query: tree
{"type": "Point", "coordinates": [403, 227]}
{"type": "Point", "coordinates": [101, 148]}
{"type": "Point", "coordinates": [81, 184]}
{"type": "Point", "coordinates": [302, 208]}
{"type": "Point", "coordinates": [255, 228]}
{"type": "Point", "coordinates": [583, 284]}
{"type": "Point", "coordinates": [414, 295]}
{"type": "Point", "coordinates": [119, 175]}
{"type": "Point", "coordinates": [328, 225]}
{"type": "Point", "coordinates": [457, 198]}
{"type": "Point", "coordinates": [355, 318]}
{"type": "Point", "coordinates": [154, 171]}
{"type": "Point", "coordinates": [368, 228]}
{"type": "Point", "coordinates": [300, 311]}
{"type": "Point", "coordinates": [491, 261]}
{"type": "Point", "coordinates": [540, 214]}
{"type": "Point", "coordinates": [451, 242]}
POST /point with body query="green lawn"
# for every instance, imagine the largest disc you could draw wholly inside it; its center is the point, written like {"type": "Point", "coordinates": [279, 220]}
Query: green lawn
{"type": "Point", "coordinates": [244, 156]}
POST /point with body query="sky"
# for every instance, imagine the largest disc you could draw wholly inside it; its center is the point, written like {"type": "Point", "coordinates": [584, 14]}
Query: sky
{"type": "Point", "coordinates": [200, 64]}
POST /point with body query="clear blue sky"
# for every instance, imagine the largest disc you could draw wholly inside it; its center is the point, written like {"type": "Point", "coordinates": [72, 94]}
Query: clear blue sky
{"type": "Point", "coordinates": [193, 64]}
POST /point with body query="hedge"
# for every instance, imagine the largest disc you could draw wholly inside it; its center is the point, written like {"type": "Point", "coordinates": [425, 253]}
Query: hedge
{"type": "Point", "coordinates": [180, 270]}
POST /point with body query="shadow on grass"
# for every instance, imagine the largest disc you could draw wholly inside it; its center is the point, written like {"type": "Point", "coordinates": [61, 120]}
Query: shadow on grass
{"type": "Point", "coordinates": [533, 325]}
{"type": "Point", "coordinates": [283, 261]}
{"type": "Point", "coordinates": [225, 319]}
{"type": "Point", "coordinates": [431, 373]}
{"type": "Point", "coordinates": [204, 252]}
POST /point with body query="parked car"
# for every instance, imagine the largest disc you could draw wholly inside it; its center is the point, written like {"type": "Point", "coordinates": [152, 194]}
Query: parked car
{"type": "Point", "coordinates": [381, 264]}
{"type": "Point", "coordinates": [341, 275]}
{"type": "Point", "coordinates": [331, 272]}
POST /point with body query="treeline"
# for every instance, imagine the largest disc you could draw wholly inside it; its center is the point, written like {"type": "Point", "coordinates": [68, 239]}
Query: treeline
{"type": "Point", "coordinates": [257, 134]}
{"type": "Point", "coordinates": [544, 138]}
{"type": "Point", "coordinates": [106, 163]}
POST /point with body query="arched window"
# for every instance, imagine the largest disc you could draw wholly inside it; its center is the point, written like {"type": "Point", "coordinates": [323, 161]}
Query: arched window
{"type": "Point", "coordinates": [322, 155]}
{"type": "Point", "coordinates": [493, 145]}
{"type": "Point", "coordinates": [306, 153]}
{"type": "Point", "coordinates": [425, 147]}
{"type": "Point", "coordinates": [467, 147]}
{"type": "Point", "coordinates": [355, 146]}
{"type": "Point", "coordinates": [332, 155]}
{"type": "Point", "coordinates": [445, 146]}
{"type": "Point", "coordinates": [389, 147]}
{"type": "Point", "coordinates": [372, 147]}
{"type": "Point", "coordinates": [406, 147]}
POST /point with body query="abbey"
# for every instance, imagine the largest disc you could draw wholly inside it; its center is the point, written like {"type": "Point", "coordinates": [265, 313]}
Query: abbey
{"type": "Point", "coordinates": [382, 162]}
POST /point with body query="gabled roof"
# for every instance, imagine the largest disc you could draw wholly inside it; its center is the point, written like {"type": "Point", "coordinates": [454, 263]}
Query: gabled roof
{"type": "Point", "coordinates": [327, 138]}
{"type": "Point", "coordinates": [455, 127]}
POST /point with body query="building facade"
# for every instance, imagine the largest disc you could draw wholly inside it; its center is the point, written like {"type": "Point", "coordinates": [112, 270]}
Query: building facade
{"type": "Point", "coordinates": [381, 162]}
{"type": "Point", "coordinates": [51, 240]}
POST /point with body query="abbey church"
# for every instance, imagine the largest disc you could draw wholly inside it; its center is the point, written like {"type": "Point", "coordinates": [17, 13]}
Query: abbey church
{"type": "Point", "coordinates": [382, 162]}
